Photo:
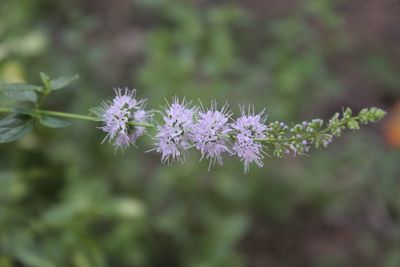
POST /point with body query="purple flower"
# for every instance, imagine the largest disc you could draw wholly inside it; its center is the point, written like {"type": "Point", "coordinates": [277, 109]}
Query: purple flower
{"type": "Point", "coordinates": [173, 138]}
{"type": "Point", "coordinates": [248, 128]}
{"type": "Point", "coordinates": [118, 114]}
{"type": "Point", "coordinates": [139, 116]}
{"type": "Point", "coordinates": [210, 133]}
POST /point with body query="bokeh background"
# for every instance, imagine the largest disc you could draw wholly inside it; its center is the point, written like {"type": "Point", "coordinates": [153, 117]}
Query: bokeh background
{"type": "Point", "coordinates": [66, 200]}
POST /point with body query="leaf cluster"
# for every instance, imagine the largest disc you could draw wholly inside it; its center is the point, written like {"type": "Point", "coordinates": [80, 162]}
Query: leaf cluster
{"type": "Point", "coordinates": [28, 99]}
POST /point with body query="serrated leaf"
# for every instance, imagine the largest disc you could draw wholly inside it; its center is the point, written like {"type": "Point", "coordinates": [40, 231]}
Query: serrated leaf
{"type": "Point", "coordinates": [20, 86]}
{"type": "Point", "coordinates": [23, 111]}
{"type": "Point", "coordinates": [20, 95]}
{"type": "Point", "coordinates": [20, 91]}
{"type": "Point", "coordinates": [53, 122]}
{"type": "Point", "coordinates": [62, 82]}
{"type": "Point", "coordinates": [14, 127]}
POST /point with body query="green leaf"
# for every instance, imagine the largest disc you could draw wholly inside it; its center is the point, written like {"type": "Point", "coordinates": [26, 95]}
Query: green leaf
{"type": "Point", "coordinates": [14, 127]}
{"type": "Point", "coordinates": [21, 246]}
{"type": "Point", "coordinates": [62, 82]}
{"type": "Point", "coordinates": [46, 81]}
{"type": "Point", "coordinates": [53, 122]}
{"type": "Point", "coordinates": [20, 91]}
{"type": "Point", "coordinates": [20, 86]}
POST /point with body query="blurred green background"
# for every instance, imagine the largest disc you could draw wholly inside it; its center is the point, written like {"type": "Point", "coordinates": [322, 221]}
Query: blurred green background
{"type": "Point", "coordinates": [66, 200]}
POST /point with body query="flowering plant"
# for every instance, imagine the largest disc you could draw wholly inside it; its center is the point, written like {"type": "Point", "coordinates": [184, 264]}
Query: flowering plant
{"type": "Point", "coordinates": [211, 130]}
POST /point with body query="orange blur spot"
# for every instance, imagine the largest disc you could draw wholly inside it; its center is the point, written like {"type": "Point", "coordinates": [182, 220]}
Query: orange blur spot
{"type": "Point", "coordinates": [392, 126]}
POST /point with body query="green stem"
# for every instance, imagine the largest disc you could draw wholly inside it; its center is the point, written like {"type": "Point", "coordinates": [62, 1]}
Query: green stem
{"type": "Point", "coordinates": [306, 137]}
{"type": "Point", "coordinates": [65, 115]}
{"type": "Point", "coordinates": [74, 116]}
{"type": "Point", "coordinates": [148, 125]}
{"type": "Point", "coordinates": [42, 98]}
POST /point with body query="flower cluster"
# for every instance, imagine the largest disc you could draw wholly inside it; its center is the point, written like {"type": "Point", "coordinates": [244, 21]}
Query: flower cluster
{"type": "Point", "coordinates": [173, 138]}
{"type": "Point", "coordinates": [120, 115]}
{"type": "Point", "coordinates": [249, 129]}
{"type": "Point", "coordinates": [210, 133]}
{"type": "Point", "coordinates": [214, 133]}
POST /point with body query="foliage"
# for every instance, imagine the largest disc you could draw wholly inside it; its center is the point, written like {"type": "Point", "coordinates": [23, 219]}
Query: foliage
{"type": "Point", "coordinates": [66, 201]}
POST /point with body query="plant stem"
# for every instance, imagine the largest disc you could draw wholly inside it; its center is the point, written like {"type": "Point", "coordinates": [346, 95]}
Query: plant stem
{"type": "Point", "coordinates": [148, 125]}
{"type": "Point", "coordinates": [70, 116]}
{"type": "Point", "coordinates": [306, 137]}
{"type": "Point", "coordinates": [65, 115]}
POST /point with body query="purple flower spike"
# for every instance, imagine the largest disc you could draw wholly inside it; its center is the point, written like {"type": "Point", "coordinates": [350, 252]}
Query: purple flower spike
{"type": "Point", "coordinates": [248, 128]}
{"type": "Point", "coordinates": [173, 138]}
{"type": "Point", "coordinates": [210, 133]}
{"type": "Point", "coordinates": [118, 113]}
